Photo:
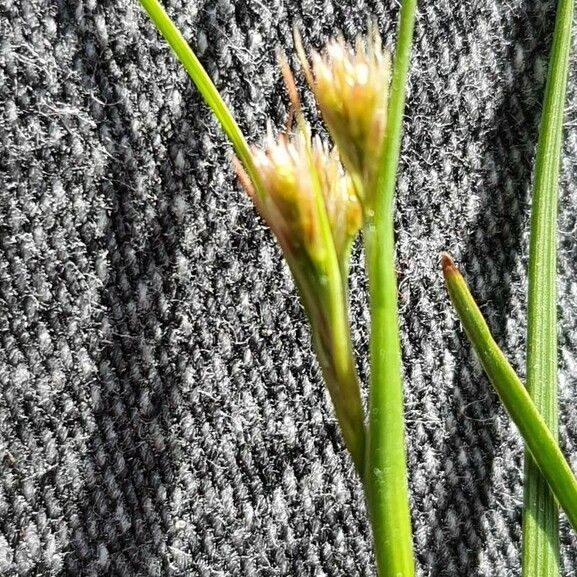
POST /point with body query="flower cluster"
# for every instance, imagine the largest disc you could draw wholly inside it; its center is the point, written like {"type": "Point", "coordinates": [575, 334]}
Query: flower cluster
{"type": "Point", "coordinates": [305, 185]}
{"type": "Point", "coordinates": [302, 181]}
{"type": "Point", "coordinates": [314, 199]}
{"type": "Point", "coordinates": [351, 89]}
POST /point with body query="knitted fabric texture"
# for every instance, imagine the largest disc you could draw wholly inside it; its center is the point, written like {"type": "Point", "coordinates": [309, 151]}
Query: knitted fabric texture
{"type": "Point", "coordinates": [161, 412]}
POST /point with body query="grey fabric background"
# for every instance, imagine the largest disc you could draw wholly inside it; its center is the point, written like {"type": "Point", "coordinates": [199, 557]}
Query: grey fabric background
{"type": "Point", "coordinates": [161, 413]}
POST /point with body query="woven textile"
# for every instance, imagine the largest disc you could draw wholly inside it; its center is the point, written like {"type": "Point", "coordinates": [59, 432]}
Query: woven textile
{"type": "Point", "coordinates": [161, 412]}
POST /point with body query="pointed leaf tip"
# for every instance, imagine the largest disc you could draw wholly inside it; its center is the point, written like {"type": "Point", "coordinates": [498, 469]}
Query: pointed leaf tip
{"type": "Point", "coordinates": [447, 263]}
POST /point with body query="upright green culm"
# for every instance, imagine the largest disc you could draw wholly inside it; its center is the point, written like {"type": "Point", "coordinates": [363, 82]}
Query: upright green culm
{"type": "Point", "coordinates": [540, 510]}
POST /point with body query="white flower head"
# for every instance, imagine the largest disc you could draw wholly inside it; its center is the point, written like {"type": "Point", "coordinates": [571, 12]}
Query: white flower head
{"type": "Point", "coordinates": [304, 182]}
{"type": "Point", "coordinates": [351, 87]}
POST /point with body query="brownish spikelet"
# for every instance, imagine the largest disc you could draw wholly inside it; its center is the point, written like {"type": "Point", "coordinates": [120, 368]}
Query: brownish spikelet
{"type": "Point", "coordinates": [243, 177]}
{"type": "Point", "coordinates": [290, 83]}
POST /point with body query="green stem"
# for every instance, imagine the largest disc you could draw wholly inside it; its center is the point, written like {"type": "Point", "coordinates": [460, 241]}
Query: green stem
{"type": "Point", "coordinates": [386, 469]}
{"type": "Point", "coordinates": [332, 336]}
{"type": "Point", "coordinates": [203, 83]}
{"type": "Point", "coordinates": [341, 376]}
{"type": "Point", "coordinates": [335, 355]}
{"type": "Point", "coordinates": [540, 511]}
{"type": "Point", "coordinates": [540, 442]}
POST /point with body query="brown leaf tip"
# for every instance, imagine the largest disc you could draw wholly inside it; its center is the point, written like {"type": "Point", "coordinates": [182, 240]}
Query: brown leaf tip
{"type": "Point", "coordinates": [447, 263]}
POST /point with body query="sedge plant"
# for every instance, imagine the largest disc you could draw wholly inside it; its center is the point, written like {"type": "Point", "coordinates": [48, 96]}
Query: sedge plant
{"type": "Point", "coordinates": [316, 197]}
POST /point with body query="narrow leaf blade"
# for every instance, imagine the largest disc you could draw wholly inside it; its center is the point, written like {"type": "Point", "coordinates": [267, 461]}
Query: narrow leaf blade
{"type": "Point", "coordinates": [517, 401]}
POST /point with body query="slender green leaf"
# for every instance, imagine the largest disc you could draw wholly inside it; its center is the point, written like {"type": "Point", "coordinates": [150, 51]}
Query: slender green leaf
{"type": "Point", "coordinates": [540, 512]}
{"type": "Point", "coordinates": [386, 469]}
{"type": "Point", "coordinates": [539, 440]}
{"type": "Point", "coordinates": [203, 83]}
